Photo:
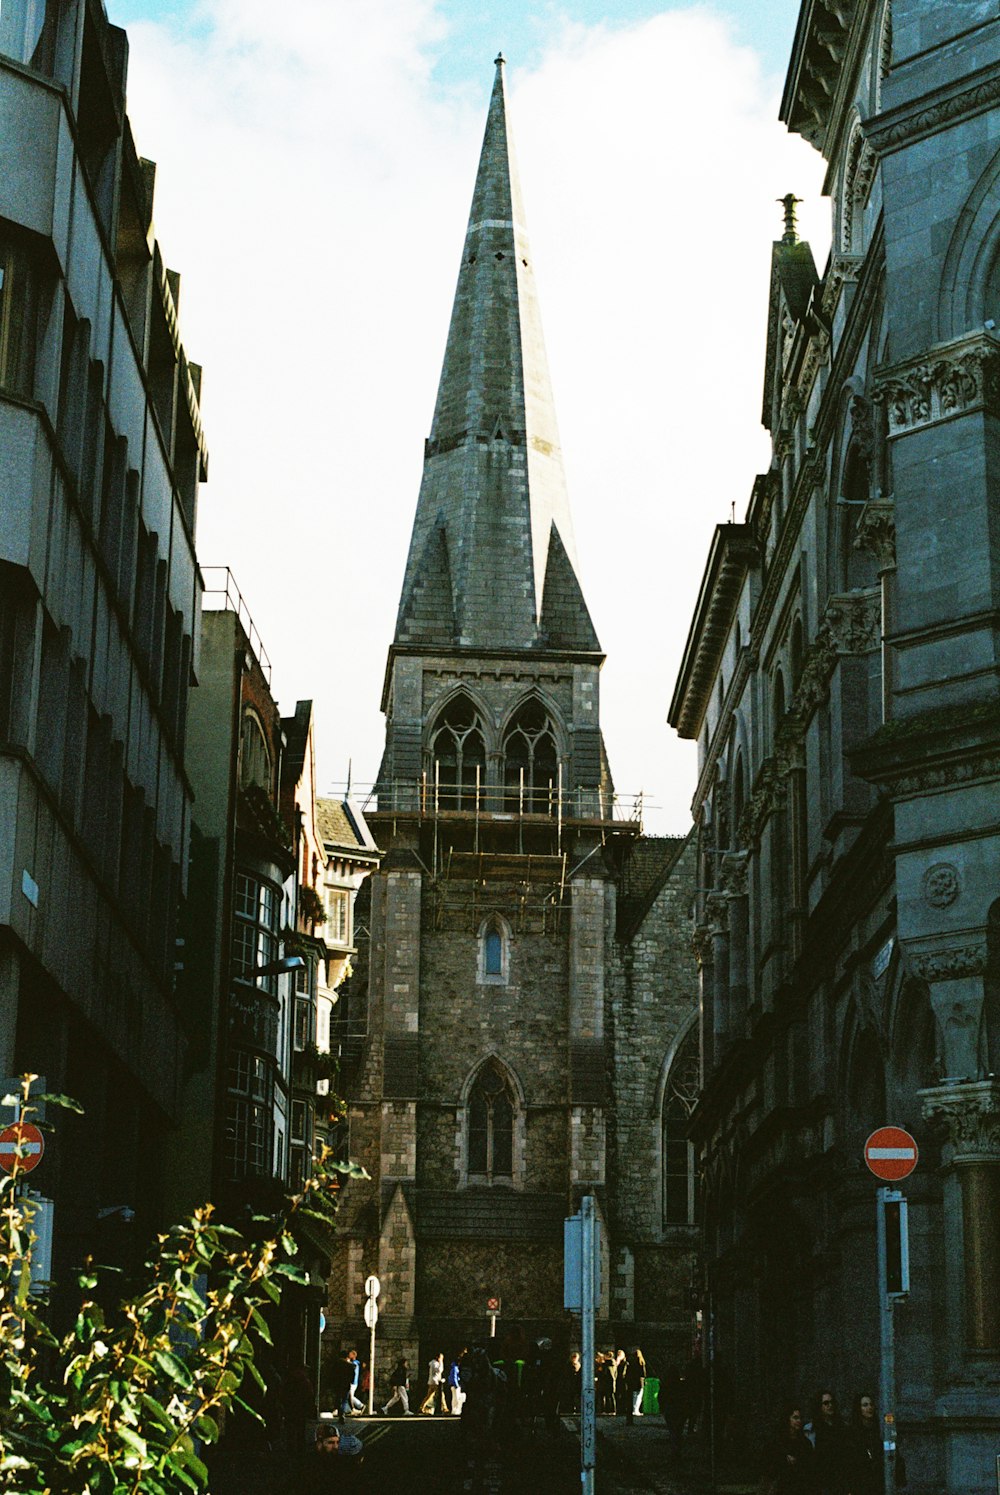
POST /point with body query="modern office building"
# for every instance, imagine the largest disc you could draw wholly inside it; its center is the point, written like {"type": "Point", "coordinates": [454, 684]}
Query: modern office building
{"type": "Point", "coordinates": [101, 457]}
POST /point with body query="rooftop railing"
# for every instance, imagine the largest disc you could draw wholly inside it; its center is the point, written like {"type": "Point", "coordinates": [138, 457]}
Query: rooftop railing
{"type": "Point", "coordinates": [223, 595]}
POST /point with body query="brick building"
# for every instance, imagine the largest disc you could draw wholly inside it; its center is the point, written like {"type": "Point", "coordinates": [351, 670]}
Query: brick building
{"type": "Point", "coordinates": [841, 679]}
{"type": "Point", "coordinates": [511, 1053]}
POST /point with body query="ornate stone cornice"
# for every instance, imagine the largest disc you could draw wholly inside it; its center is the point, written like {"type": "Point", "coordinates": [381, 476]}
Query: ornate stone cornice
{"type": "Point", "coordinates": [948, 963]}
{"type": "Point", "coordinates": [948, 380]}
{"type": "Point", "coordinates": [969, 1115]}
{"type": "Point", "coordinates": [876, 531]}
{"type": "Point", "coordinates": [897, 127]}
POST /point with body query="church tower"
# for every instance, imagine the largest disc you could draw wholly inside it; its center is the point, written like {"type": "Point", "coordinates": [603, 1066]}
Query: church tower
{"type": "Point", "coordinates": [479, 1093]}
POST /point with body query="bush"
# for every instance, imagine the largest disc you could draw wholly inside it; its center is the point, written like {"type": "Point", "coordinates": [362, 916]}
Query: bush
{"type": "Point", "coordinates": [125, 1400]}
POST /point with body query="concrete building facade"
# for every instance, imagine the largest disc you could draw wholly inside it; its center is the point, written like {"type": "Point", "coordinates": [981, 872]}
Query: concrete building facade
{"type": "Point", "coordinates": [841, 677]}
{"type": "Point", "coordinates": [101, 456]}
{"type": "Point", "coordinates": [506, 1057]}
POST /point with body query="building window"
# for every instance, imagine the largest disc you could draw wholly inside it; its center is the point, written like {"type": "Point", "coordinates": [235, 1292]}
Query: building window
{"type": "Point", "coordinates": [305, 1022]}
{"type": "Point", "coordinates": [491, 1127]}
{"type": "Point", "coordinates": [458, 755]}
{"type": "Point", "coordinates": [18, 304]}
{"type": "Point", "coordinates": [339, 918]}
{"type": "Point", "coordinates": [530, 761]}
{"type": "Point", "coordinates": [680, 1179]}
{"type": "Point", "coordinates": [255, 930]}
{"type": "Point", "coordinates": [493, 952]}
{"type": "Point", "coordinates": [28, 32]}
{"type": "Point", "coordinates": [255, 757]}
{"type": "Point", "coordinates": [248, 1116]}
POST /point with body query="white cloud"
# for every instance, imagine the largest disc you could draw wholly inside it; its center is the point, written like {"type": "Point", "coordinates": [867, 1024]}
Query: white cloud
{"type": "Point", "coordinates": [313, 187]}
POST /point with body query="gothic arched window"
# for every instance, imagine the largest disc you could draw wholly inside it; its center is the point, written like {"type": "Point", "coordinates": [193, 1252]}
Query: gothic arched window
{"type": "Point", "coordinates": [530, 761]}
{"type": "Point", "coordinates": [680, 1180]}
{"type": "Point", "coordinates": [491, 1127]}
{"type": "Point", "coordinates": [492, 964]}
{"type": "Point", "coordinates": [458, 754]}
{"type": "Point", "coordinates": [255, 759]}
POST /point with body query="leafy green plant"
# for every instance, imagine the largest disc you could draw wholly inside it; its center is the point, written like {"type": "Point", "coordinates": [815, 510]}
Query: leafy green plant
{"type": "Point", "coordinates": [125, 1401]}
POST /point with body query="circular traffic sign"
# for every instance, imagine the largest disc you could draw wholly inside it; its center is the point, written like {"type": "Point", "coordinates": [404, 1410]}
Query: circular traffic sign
{"type": "Point", "coordinates": [372, 1287]}
{"type": "Point", "coordinates": [22, 1145]}
{"type": "Point", "coordinates": [891, 1154]}
{"type": "Point", "coordinates": [371, 1313]}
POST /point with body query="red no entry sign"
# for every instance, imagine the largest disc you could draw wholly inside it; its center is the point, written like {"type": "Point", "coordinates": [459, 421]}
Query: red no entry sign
{"type": "Point", "coordinates": [891, 1154]}
{"type": "Point", "coordinates": [21, 1143]}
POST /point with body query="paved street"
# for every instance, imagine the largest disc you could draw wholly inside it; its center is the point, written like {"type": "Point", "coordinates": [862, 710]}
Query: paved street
{"type": "Point", "coordinates": [430, 1456]}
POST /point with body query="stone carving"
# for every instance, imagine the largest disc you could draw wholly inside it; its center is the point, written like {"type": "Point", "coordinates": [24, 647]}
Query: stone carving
{"type": "Point", "coordinates": [814, 680]}
{"type": "Point", "coordinates": [969, 1115]}
{"type": "Point", "coordinates": [941, 885]}
{"type": "Point", "coordinates": [769, 791]}
{"type": "Point", "coordinates": [977, 766]}
{"type": "Point", "coordinates": [844, 270]}
{"type": "Point", "coordinates": [876, 531]}
{"type": "Point", "coordinates": [950, 964]}
{"type": "Point", "coordinates": [855, 620]}
{"type": "Point", "coordinates": [735, 873]}
{"type": "Point", "coordinates": [701, 944]}
{"type": "Point", "coordinates": [717, 912]}
{"type": "Point", "coordinates": [886, 137]}
{"type": "Point", "coordinates": [948, 381]}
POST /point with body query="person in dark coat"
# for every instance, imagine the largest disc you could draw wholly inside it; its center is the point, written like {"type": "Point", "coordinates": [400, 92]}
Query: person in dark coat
{"type": "Point", "coordinates": [832, 1444]}
{"type": "Point", "coordinates": [789, 1463]}
{"type": "Point", "coordinates": [865, 1472]}
{"type": "Point", "coordinates": [635, 1374]}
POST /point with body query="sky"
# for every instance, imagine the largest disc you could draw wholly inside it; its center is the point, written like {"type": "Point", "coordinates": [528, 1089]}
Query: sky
{"type": "Point", "coordinates": [315, 166]}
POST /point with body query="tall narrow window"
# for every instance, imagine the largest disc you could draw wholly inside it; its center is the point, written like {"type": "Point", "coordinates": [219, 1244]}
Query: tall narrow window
{"type": "Point", "coordinates": [530, 761]}
{"type": "Point", "coordinates": [458, 755]}
{"type": "Point", "coordinates": [680, 1180]}
{"type": "Point", "coordinates": [491, 1127]}
{"type": "Point", "coordinates": [493, 951]}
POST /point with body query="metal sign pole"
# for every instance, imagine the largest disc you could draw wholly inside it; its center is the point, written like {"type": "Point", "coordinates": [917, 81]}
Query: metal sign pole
{"type": "Point", "coordinates": [588, 1420]}
{"type": "Point", "coordinates": [372, 1289]}
{"type": "Point", "coordinates": [887, 1369]}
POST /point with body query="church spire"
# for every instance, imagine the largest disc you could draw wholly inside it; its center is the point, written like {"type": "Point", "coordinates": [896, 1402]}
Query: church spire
{"type": "Point", "coordinates": [492, 534]}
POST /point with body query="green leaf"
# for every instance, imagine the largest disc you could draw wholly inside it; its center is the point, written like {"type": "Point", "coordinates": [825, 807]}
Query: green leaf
{"type": "Point", "coordinates": [131, 1439]}
{"type": "Point", "coordinates": [260, 1324]}
{"type": "Point", "coordinates": [173, 1367]}
{"type": "Point", "coordinates": [247, 1408]}
{"type": "Point", "coordinates": [290, 1270]}
{"type": "Point", "coordinates": [66, 1101]}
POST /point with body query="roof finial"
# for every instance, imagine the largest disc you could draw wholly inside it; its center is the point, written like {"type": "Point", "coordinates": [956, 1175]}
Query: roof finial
{"type": "Point", "coordinates": [499, 60]}
{"type": "Point", "coordinates": [789, 203]}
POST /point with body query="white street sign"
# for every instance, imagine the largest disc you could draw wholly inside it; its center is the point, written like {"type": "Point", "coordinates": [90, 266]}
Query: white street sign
{"type": "Point", "coordinates": [371, 1313]}
{"type": "Point", "coordinates": [372, 1287]}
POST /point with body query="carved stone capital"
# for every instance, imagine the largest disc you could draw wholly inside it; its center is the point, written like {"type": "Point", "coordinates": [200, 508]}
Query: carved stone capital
{"type": "Point", "coordinates": [952, 963]}
{"type": "Point", "coordinates": [735, 873]}
{"type": "Point", "coordinates": [951, 379]}
{"type": "Point", "coordinates": [854, 620]}
{"type": "Point", "coordinates": [769, 791]}
{"type": "Point", "coordinates": [717, 913]}
{"type": "Point", "coordinates": [969, 1115]}
{"type": "Point", "coordinates": [876, 531]}
{"type": "Point", "coordinates": [814, 680]}
{"type": "Point", "coordinates": [701, 944]}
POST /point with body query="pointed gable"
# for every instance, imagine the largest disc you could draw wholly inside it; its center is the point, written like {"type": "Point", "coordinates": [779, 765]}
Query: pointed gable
{"type": "Point", "coordinates": [427, 611]}
{"type": "Point", "coordinates": [793, 280]}
{"type": "Point", "coordinates": [565, 621]}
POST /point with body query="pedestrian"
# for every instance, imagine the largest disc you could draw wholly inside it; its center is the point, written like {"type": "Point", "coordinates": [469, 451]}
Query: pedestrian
{"type": "Point", "coordinates": [341, 1385]}
{"type": "Point", "coordinates": [865, 1468]}
{"type": "Point", "coordinates": [788, 1466]}
{"type": "Point", "coordinates": [635, 1376]}
{"type": "Point", "coordinates": [574, 1380]}
{"type": "Point", "coordinates": [672, 1405]}
{"type": "Point", "coordinates": [832, 1444]}
{"type": "Point", "coordinates": [604, 1384]}
{"type": "Point", "coordinates": [400, 1383]}
{"type": "Point", "coordinates": [455, 1392]}
{"type": "Point", "coordinates": [434, 1397]}
{"type": "Point", "coordinates": [356, 1404]}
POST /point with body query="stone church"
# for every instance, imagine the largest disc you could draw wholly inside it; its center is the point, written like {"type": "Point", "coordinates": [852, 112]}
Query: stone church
{"type": "Point", "coordinates": [841, 679]}
{"type": "Point", "coordinates": [519, 1028]}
